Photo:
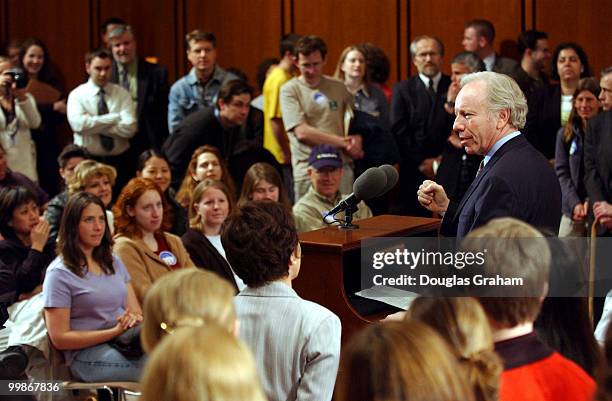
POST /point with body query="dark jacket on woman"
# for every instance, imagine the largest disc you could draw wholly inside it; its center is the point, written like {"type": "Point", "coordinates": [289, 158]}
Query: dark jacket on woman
{"type": "Point", "coordinates": [55, 209]}
{"type": "Point", "coordinates": [206, 256]}
{"type": "Point", "coordinates": [179, 214]}
{"type": "Point", "coordinates": [23, 268]}
{"type": "Point", "coordinates": [569, 166]}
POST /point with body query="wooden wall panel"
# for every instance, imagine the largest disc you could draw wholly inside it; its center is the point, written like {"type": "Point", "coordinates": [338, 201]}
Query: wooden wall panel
{"type": "Point", "coordinates": [64, 26]}
{"type": "Point", "coordinates": [247, 32]}
{"type": "Point", "coordinates": [587, 24]}
{"type": "Point", "coordinates": [446, 19]}
{"type": "Point", "coordinates": [154, 23]}
{"type": "Point", "coordinates": [341, 23]}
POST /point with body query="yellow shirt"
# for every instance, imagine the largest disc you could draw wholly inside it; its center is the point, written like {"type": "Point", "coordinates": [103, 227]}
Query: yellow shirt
{"type": "Point", "coordinates": [271, 109]}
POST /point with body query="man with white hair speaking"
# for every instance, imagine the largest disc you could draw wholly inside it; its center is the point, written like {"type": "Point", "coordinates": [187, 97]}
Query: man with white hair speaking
{"type": "Point", "coordinates": [514, 179]}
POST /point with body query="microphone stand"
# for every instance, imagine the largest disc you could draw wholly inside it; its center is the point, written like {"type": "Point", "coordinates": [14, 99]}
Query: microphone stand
{"type": "Point", "coordinates": [348, 219]}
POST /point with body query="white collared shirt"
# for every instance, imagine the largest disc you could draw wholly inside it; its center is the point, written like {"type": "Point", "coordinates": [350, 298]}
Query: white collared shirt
{"type": "Point", "coordinates": [120, 122]}
{"type": "Point", "coordinates": [489, 61]}
{"type": "Point", "coordinates": [436, 80]}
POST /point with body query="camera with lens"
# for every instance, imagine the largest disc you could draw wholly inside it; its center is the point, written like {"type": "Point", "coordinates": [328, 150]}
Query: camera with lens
{"type": "Point", "coordinates": [19, 77]}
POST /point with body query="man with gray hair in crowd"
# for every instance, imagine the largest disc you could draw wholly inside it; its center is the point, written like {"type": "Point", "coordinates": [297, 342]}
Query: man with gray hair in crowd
{"type": "Point", "coordinates": [457, 169]}
{"type": "Point", "coordinates": [147, 84]}
{"type": "Point", "coordinates": [513, 180]}
{"type": "Point", "coordinates": [418, 120]}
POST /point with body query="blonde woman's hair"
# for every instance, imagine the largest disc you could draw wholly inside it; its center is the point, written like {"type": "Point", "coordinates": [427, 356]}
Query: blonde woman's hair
{"type": "Point", "coordinates": [400, 361]}
{"type": "Point", "coordinates": [85, 171]}
{"type": "Point", "coordinates": [514, 249]}
{"type": "Point", "coordinates": [187, 297]}
{"type": "Point", "coordinates": [201, 364]}
{"type": "Point", "coordinates": [463, 324]}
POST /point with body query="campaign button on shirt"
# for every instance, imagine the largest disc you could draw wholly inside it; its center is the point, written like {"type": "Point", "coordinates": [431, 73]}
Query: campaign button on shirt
{"type": "Point", "coordinates": [320, 98]}
{"type": "Point", "coordinates": [168, 258]}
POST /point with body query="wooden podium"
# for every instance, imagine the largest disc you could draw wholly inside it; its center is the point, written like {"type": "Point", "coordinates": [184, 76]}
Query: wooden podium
{"type": "Point", "coordinates": [331, 258]}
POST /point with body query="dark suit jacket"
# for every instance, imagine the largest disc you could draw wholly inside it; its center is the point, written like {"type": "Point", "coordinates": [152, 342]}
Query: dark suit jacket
{"type": "Point", "coordinates": [544, 119]}
{"type": "Point", "coordinates": [528, 84]}
{"type": "Point", "coordinates": [419, 125]}
{"type": "Point", "coordinates": [199, 128]}
{"type": "Point", "coordinates": [206, 256]}
{"type": "Point", "coordinates": [152, 110]}
{"type": "Point", "coordinates": [570, 170]}
{"type": "Point", "coordinates": [516, 182]}
{"type": "Point", "coordinates": [598, 158]}
{"type": "Point", "coordinates": [504, 65]}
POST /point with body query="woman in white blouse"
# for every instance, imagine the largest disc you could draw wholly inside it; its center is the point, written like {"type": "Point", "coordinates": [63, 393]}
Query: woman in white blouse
{"type": "Point", "coordinates": [18, 115]}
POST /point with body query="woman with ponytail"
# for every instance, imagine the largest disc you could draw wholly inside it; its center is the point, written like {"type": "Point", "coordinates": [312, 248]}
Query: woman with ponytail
{"type": "Point", "coordinates": [463, 324]}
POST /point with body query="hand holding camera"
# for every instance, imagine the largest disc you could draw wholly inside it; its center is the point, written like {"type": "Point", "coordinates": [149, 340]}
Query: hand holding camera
{"type": "Point", "coordinates": [14, 81]}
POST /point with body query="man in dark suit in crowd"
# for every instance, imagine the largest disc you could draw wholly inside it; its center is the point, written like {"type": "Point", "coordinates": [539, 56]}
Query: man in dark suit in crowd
{"type": "Point", "coordinates": [515, 180]}
{"type": "Point", "coordinates": [418, 119]}
{"type": "Point", "coordinates": [598, 156]}
{"type": "Point", "coordinates": [219, 126]}
{"type": "Point", "coordinates": [478, 37]}
{"type": "Point", "coordinates": [535, 59]}
{"type": "Point", "coordinates": [147, 83]}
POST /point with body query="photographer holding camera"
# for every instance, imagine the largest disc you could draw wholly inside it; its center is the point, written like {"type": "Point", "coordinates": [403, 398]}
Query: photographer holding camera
{"type": "Point", "coordinates": [18, 115]}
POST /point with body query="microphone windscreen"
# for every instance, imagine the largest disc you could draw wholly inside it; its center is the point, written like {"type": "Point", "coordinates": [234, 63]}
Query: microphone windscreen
{"type": "Point", "coordinates": [369, 184]}
{"type": "Point", "coordinates": [392, 177]}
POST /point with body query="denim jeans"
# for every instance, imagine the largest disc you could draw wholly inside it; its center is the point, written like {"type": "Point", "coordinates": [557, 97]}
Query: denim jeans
{"type": "Point", "coordinates": [102, 363]}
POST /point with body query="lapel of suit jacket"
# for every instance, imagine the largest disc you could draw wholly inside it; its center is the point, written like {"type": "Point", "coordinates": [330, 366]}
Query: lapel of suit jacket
{"type": "Point", "coordinates": [211, 248]}
{"type": "Point", "coordinates": [115, 73]}
{"type": "Point", "coordinates": [142, 74]}
{"type": "Point", "coordinates": [514, 142]}
{"type": "Point", "coordinates": [152, 255]}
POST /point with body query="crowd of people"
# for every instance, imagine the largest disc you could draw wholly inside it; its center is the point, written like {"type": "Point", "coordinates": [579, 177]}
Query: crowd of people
{"type": "Point", "coordinates": [160, 245]}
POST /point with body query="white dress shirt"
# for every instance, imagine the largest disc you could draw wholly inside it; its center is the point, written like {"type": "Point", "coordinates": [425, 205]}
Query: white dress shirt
{"type": "Point", "coordinates": [120, 123]}
{"type": "Point", "coordinates": [436, 80]}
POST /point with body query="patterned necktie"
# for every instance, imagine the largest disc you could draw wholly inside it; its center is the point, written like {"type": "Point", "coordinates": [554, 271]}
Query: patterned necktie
{"type": "Point", "coordinates": [480, 167]}
{"type": "Point", "coordinates": [431, 89]}
{"type": "Point", "coordinates": [125, 81]}
{"type": "Point", "coordinates": [107, 142]}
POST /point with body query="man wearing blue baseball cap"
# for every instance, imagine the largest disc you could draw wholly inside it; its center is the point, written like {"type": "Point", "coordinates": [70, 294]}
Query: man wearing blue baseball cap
{"type": "Point", "coordinates": [325, 173]}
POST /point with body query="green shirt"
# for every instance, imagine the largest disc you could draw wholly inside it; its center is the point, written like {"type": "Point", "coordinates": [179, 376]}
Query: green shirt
{"type": "Point", "coordinates": [308, 212]}
{"type": "Point", "coordinates": [132, 74]}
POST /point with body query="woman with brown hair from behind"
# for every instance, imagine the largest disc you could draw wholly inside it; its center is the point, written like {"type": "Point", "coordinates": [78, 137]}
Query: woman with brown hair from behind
{"type": "Point", "coordinates": [396, 361]}
{"type": "Point", "coordinates": [463, 324]}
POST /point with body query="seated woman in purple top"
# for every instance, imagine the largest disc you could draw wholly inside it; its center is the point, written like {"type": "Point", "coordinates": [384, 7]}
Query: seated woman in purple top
{"type": "Point", "coordinates": [88, 297]}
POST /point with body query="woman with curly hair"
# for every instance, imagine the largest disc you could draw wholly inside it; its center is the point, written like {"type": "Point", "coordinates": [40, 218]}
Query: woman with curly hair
{"type": "Point", "coordinates": [142, 241]}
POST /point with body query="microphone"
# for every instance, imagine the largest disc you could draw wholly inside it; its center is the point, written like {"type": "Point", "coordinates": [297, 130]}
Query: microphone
{"type": "Point", "coordinates": [367, 186]}
{"type": "Point", "coordinates": [392, 178]}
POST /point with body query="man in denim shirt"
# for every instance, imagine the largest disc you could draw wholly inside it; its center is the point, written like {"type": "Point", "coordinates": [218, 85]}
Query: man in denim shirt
{"type": "Point", "coordinates": [199, 88]}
